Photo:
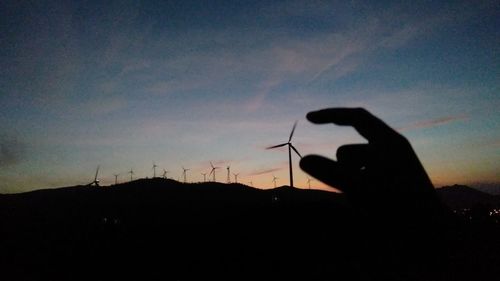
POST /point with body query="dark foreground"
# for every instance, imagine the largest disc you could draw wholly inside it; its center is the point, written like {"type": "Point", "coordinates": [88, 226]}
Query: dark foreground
{"type": "Point", "coordinates": [161, 229]}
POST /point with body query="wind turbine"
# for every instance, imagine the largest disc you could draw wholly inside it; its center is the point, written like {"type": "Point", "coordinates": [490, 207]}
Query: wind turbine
{"type": "Point", "coordinates": [236, 178]}
{"type": "Point", "coordinates": [290, 147]}
{"type": "Point", "coordinates": [251, 183]}
{"type": "Point", "coordinates": [213, 170]}
{"type": "Point", "coordinates": [184, 174]}
{"type": "Point", "coordinates": [95, 182]}
{"type": "Point", "coordinates": [165, 173]}
{"type": "Point", "coordinates": [274, 180]}
{"type": "Point", "coordinates": [116, 178]}
{"type": "Point", "coordinates": [228, 174]}
{"type": "Point", "coordinates": [154, 170]}
{"type": "Point", "coordinates": [204, 177]}
{"type": "Point", "coordinates": [309, 180]}
{"type": "Point", "coordinates": [131, 172]}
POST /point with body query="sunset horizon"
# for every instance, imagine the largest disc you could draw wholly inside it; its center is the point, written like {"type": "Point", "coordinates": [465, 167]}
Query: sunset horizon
{"type": "Point", "coordinates": [182, 83]}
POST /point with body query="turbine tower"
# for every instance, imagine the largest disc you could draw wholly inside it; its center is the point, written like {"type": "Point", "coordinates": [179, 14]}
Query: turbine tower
{"type": "Point", "coordinates": [131, 172]}
{"type": "Point", "coordinates": [212, 172]}
{"type": "Point", "coordinates": [184, 174]}
{"type": "Point", "coordinates": [251, 183]}
{"type": "Point", "coordinates": [228, 174]}
{"type": "Point", "coordinates": [154, 170]}
{"type": "Point", "coordinates": [165, 173]}
{"type": "Point", "coordinates": [290, 147]}
{"type": "Point", "coordinates": [236, 178]}
{"type": "Point", "coordinates": [274, 180]}
{"type": "Point", "coordinates": [95, 182]}
{"type": "Point", "coordinates": [204, 177]}
{"type": "Point", "coordinates": [116, 178]}
{"type": "Point", "coordinates": [309, 180]}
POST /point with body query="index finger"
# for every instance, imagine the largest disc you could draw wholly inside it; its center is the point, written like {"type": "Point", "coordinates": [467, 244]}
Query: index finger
{"type": "Point", "coordinates": [367, 125]}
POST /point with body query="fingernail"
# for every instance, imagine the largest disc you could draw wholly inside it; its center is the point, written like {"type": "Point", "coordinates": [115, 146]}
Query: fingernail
{"type": "Point", "coordinates": [310, 115]}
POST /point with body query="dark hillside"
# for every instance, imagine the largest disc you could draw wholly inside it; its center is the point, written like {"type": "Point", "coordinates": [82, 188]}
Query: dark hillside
{"type": "Point", "coordinates": [461, 196]}
{"type": "Point", "coordinates": [174, 231]}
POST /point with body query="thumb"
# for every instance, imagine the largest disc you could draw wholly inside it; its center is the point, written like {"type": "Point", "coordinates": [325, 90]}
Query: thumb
{"type": "Point", "coordinates": [328, 171]}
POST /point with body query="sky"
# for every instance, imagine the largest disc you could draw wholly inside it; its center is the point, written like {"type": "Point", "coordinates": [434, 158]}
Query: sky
{"type": "Point", "coordinates": [123, 84]}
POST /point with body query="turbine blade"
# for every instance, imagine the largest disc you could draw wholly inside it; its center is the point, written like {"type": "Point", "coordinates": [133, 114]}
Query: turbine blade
{"type": "Point", "coordinates": [293, 130]}
{"type": "Point", "coordinates": [211, 164]}
{"type": "Point", "coordinates": [96, 171]}
{"type": "Point", "coordinates": [296, 151]}
{"type": "Point", "coordinates": [275, 146]}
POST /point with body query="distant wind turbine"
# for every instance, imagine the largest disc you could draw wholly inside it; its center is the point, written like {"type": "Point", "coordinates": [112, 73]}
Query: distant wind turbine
{"type": "Point", "coordinates": [184, 174]}
{"type": "Point", "coordinates": [154, 170]}
{"type": "Point", "coordinates": [212, 172]}
{"type": "Point", "coordinates": [116, 178]}
{"type": "Point", "coordinates": [274, 180]}
{"type": "Point", "coordinates": [236, 178]}
{"type": "Point", "coordinates": [309, 180]}
{"type": "Point", "coordinates": [228, 174]}
{"type": "Point", "coordinates": [204, 177]}
{"type": "Point", "coordinates": [165, 173]}
{"type": "Point", "coordinates": [131, 172]}
{"type": "Point", "coordinates": [251, 183]}
{"type": "Point", "coordinates": [95, 182]}
{"type": "Point", "coordinates": [290, 147]}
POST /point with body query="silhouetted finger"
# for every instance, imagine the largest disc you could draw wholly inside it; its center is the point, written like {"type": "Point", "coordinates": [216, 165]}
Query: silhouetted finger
{"type": "Point", "coordinates": [369, 126]}
{"type": "Point", "coordinates": [327, 171]}
{"type": "Point", "coordinates": [354, 156]}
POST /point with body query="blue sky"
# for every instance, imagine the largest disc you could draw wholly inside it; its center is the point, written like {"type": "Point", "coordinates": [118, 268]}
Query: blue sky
{"type": "Point", "coordinates": [181, 83]}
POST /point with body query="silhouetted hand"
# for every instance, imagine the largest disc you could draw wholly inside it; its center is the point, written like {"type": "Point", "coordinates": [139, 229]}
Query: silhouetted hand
{"type": "Point", "coordinates": [383, 177]}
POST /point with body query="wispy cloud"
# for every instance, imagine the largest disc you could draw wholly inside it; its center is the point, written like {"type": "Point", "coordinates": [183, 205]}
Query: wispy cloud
{"type": "Point", "coordinates": [216, 163]}
{"type": "Point", "coordinates": [211, 59]}
{"type": "Point", "coordinates": [432, 122]}
{"type": "Point", "coordinates": [281, 60]}
{"type": "Point", "coordinates": [264, 171]}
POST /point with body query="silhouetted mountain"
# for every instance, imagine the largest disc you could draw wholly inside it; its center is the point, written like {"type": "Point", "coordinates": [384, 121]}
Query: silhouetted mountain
{"type": "Point", "coordinates": [462, 196]}
{"type": "Point", "coordinates": [491, 188]}
{"type": "Point", "coordinates": [162, 228]}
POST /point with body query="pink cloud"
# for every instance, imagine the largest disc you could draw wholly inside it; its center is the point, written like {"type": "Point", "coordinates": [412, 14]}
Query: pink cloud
{"type": "Point", "coordinates": [264, 171]}
{"type": "Point", "coordinates": [432, 122]}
